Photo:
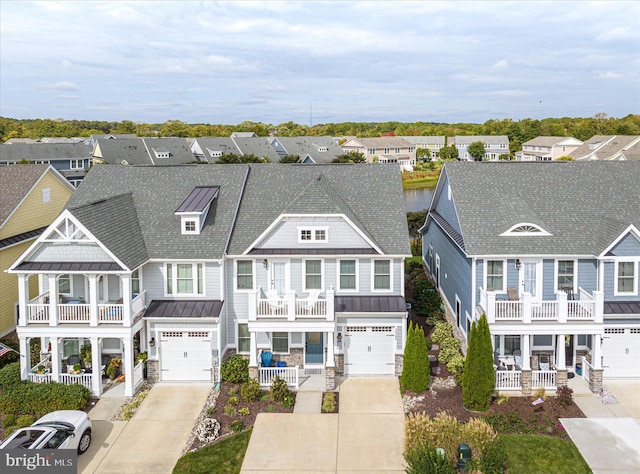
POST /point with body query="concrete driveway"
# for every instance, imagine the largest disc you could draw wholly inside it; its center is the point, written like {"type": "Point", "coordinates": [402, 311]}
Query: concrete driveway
{"type": "Point", "coordinates": [366, 436]}
{"type": "Point", "coordinates": [153, 440]}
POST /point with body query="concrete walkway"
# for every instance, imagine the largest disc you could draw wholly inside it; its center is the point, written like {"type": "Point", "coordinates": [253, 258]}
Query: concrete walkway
{"type": "Point", "coordinates": [366, 436]}
{"type": "Point", "coordinates": [153, 440]}
{"type": "Point", "coordinates": [609, 438]}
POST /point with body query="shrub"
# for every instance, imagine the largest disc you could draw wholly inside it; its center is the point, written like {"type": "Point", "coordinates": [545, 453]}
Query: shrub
{"type": "Point", "coordinates": [9, 420]}
{"type": "Point", "coordinates": [564, 395]}
{"type": "Point", "coordinates": [10, 375]}
{"type": "Point", "coordinates": [540, 393]}
{"type": "Point", "coordinates": [456, 366]}
{"type": "Point", "coordinates": [12, 423]}
{"type": "Point", "coordinates": [244, 411]}
{"type": "Point", "coordinates": [288, 401]}
{"type": "Point", "coordinates": [425, 459]}
{"type": "Point", "coordinates": [478, 379]}
{"type": "Point", "coordinates": [233, 400]}
{"type": "Point", "coordinates": [479, 434]}
{"type": "Point", "coordinates": [233, 391]}
{"type": "Point", "coordinates": [441, 332]}
{"type": "Point", "coordinates": [235, 370]}
{"type": "Point", "coordinates": [38, 399]}
{"type": "Point", "coordinates": [329, 402]}
{"type": "Point", "coordinates": [229, 410]}
{"type": "Point", "coordinates": [279, 390]}
{"type": "Point", "coordinates": [251, 390]}
{"type": "Point", "coordinates": [449, 348]}
{"type": "Point", "coordinates": [415, 365]}
{"type": "Point", "coordinates": [237, 426]}
{"type": "Point", "coordinates": [435, 318]}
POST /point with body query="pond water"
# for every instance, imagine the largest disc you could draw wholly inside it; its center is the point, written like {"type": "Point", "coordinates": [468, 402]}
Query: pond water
{"type": "Point", "coordinates": [417, 199]}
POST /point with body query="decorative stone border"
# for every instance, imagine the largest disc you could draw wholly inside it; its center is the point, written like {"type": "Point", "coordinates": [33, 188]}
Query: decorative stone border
{"type": "Point", "coordinates": [209, 403]}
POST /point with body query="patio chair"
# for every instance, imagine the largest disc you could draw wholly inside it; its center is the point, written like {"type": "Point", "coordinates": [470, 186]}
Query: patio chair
{"type": "Point", "coordinates": [275, 302]}
{"type": "Point", "coordinates": [309, 303]}
{"type": "Point", "coordinates": [266, 357]}
{"type": "Point", "coordinates": [513, 294]}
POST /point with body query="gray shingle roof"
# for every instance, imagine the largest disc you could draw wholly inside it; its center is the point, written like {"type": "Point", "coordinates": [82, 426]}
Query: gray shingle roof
{"type": "Point", "coordinates": [130, 150]}
{"type": "Point", "coordinates": [258, 146]}
{"type": "Point", "coordinates": [373, 193]}
{"type": "Point", "coordinates": [585, 206]}
{"type": "Point", "coordinates": [304, 146]}
{"type": "Point", "coordinates": [15, 183]}
{"type": "Point", "coordinates": [468, 139]}
{"type": "Point", "coordinates": [44, 151]}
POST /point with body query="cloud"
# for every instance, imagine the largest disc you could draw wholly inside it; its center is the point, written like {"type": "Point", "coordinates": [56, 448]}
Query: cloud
{"type": "Point", "coordinates": [616, 34]}
{"type": "Point", "coordinates": [63, 86]}
{"type": "Point", "coordinates": [610, 75]}
{"type": "Point", "coordinates": [500, 65]}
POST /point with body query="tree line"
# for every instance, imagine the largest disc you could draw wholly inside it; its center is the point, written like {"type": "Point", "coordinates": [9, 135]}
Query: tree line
{"type": "Point", "coordinates": [518, 131]}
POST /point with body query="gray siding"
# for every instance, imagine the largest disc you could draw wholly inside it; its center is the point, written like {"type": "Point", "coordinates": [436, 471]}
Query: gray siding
{"type": "Point", "coordinates": [153, 280]}
{"type": "Point", "coordinates": [587, 275]}
{"type": "Point", "coordinates": [513, 275]}
{"type": "Point", "coordinates": [339, 235]}
{"type": "Point", "coordinates": [71, 252]}
{"type": "Point", "coordinates": [629, 246]}
{"type": "Point", "coordinates": [446, 208]}
{"type": "Point", "coordinates": [479, 280]}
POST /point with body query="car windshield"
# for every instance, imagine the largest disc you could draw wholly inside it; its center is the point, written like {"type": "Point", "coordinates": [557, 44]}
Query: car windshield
{"type": "Point", "coordinates": [24, 439]}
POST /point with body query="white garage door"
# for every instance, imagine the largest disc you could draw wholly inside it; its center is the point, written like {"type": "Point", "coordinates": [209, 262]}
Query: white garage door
{"type": "Point", "coordinates": [369, 350]}
{"type": "Point", "coordinates": [621, 353]}
{"type": "Point", "coordinates": [185, 355]}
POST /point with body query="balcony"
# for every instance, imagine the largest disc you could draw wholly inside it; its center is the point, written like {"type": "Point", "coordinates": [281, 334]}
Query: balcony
{"type": "Point", "coordinates": [265, 305]}
{"type": "Point", "coordinates": [588, 308]}
{"type": "Point", "coordinates": [40, 310]}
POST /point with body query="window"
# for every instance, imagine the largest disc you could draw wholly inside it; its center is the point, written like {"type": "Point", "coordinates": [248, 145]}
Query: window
{"type": "Point", "coordinates": [77, 164]}
{"type": "Point", "coordinates": [430, 258]}
{"type": "Point", "coordinates": [386, 151]}
{"type": "Point", "coordinates": [543, 340]}
{"type": "Point", "coordinates": [185, 279]}
{"type": "Point", "coordinates": [280, 342]}
{"type": "Point", "coordinates": [244, 339]}
{"type": "Point", "coordinates": [244, 276]}
{"type": "Point", "coordinates": [64, 284]}
{"type": "Point", "coordinates": [511, 343]}
{"type": "Point", "coordinates": [70, 347]}
{"type": "Point", "coordinates": [397, 151]}
{"type": "Point", "coordinates": [46, 195]}
{"type": "Point", "coordinates": [584, 340]}
{"type": "Point", "coordinates": [312, 234]}
{"type": "Point", "coordinates": [371, 151]}
{"type": "Point", "coordinates": [381, 275]}
{"type": "Point", "coordinates": [313, 275]}
{"type": "Point", "coordinates": [189, 226]}
{"type": "Point", "coordinates": [348, 276]}
{"type": "Point", "coordinates": [495, 275]}
{"type": "Point", "coordinates": [135, 282]}
{"type": "Point", "coordinates": [626, 277]}
{"type": "Point", "coordinates": [566, 274]}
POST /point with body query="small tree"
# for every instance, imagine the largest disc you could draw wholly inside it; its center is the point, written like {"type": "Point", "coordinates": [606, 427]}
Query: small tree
{"type": "Point", "coordinates": [448, 153]}
{"type": "Point", "coordinates": [476, 151]}
{"type": "Point", "coordinates": [478, 379]}
{"type": "Point", "coordinates": [423, 154]}
{"type": "Point", "coordinates": [415, 366]}
{"type": "Point", "coordinates": [350, 157]}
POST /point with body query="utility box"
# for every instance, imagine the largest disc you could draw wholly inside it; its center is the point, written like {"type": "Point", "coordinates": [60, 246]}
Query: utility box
{"type": "Point", "coordinates": [464, 456]}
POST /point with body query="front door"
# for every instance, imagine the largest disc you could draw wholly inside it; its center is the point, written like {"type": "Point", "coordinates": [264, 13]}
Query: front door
{"type": "Point", "coordinates": [568, 350]}
{"type": "Point", "coordinates": [530, 279]}
{"type": "Point", "coordinates": [278, 277]}
{"type": "Point", "coordinates": [314, 348]}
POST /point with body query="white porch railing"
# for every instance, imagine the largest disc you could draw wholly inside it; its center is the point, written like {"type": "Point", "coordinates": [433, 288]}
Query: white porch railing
{"type": "Point", "coordinates": [291, 307]}
{"type": "Point", "coordinates": [508, 310]}
{"type": "Point", "coordinates": [38, 309]}
{"type": "Point", "coordinates": [110, 313]}
{"type": "Point", "coordinates": [73, 313]}
{"type": "Point", "coordinates": [543, 379]}
{"type": "Point", "coordinates": [544, 310]}
{"type": "Point", "coordinates": [137, 374]}
{"type": "Point", "coordinates": [266, 375]}
{"type": "Point", "coordinates": [586, 368]}
{"type": "Point", "coordinates": [138, 303]}
{"type": "Point", "coordinates": [317, 309]}
{"type": "Point", "coordinates": [508, 380]}
{"type": "Point", "coordinates": [82, 379]}
{"type": "Point", "coordinates": [39, 378]}
{"type": "Point", "coordinates": [272, 308]}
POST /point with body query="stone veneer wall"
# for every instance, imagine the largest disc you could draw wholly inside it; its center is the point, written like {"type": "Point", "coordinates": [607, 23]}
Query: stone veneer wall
{"type": "Point", "coordinates": [399, 360]}
{"type": "Point", "coordinates": [330, 378]}
{"type": "Point", "coordinates": [595, 380]}
{"type": "Point", "coordinates": [152, 371]}
{"type": "Point", "coordinates": [526, 382]}
{"type": "Point", "coordinates": [295, 357]}
{"type": "Point", "coordinates": [339, 361]}
{"type": "Point", "coordinates": [561, 378]}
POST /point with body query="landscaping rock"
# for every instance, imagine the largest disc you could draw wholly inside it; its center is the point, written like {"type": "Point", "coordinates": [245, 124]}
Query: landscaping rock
{"type": "Point", "coordinates": [208, 430]}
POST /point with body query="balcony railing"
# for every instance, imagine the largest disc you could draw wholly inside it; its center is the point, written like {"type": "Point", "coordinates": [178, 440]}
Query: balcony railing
{"type": "Point", "coordinates": [512, 379]}
{"type": "Point", "coordinates": [74, 313]}
{"type": "Point", "coordinates": [543, 379]}
{"type": "Point", "coordinates": [527, 310]}
{"type": "Point", "coordinates": [291, 307]}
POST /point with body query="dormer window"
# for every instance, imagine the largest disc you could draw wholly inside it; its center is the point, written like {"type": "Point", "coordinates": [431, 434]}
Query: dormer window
{"type": "Point", "coordinates": [525, 229]}
{"type": "Point", "coordinates": [194, 209]}
{"type": "Point", "coordinates": [161, 152]}
{"type": "Point", "coordinates": [214, 153]}
{"type": "Point", "coordinates": [312, 234]}
{"type": "Point", "coordinates": [189, 226]}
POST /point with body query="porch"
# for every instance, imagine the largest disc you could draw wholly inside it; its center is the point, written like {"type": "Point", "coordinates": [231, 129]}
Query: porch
{"type": "Point", "coordinates": [526, 309]}
{"type": "Point", "coordinates": [315, 305]}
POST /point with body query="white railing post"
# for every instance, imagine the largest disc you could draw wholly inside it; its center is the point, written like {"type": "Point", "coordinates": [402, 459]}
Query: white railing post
{"type": "Point", "coordinates": [560, 352]}
{"type": "Point", "coordinates": [23, 291]}
{"type": "Point", "coordinates": [525, 340]}
{"type": "Point", "coordinates": [330, 295]}
{"type": "Point", "coordinates": [252, 300]}
{"type": "Point", "coordinates": [53, 300]}
{"type": "Point", "coordinates": [93, 300]}
{"type": "Point", "coordinates": [526, 308]}
{"type": "Point", "coordinates": [55, 358]}
{"type": "Point", "coordinates": [598, 298]}
{"type": "Point", "coordinates": [127, 318]}
{"type": "Point", "coordinates": [491, 307]}
{"type": "Point", "coordinates": [563, 306]}
{"type": "Point", "coordinates": [96, 367]}
{"type": "Point", "coordinates": [290, 299]}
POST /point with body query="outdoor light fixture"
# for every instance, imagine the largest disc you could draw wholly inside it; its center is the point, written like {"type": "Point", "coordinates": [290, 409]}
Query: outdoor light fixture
{"type": "Point", "coordinates": [265, 263]}
{"type": "Point", "coordinates": [518, 264]}
{"type": "Point", "coordinates": [152, 342]}
{"type": "Point", "coordinates": [339, 337]}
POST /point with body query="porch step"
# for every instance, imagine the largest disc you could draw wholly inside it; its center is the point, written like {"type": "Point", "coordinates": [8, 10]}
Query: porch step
{"type": "Point", "coordinates": [312, 371]}
{"type": "Point", "coordinates": [308, 402]}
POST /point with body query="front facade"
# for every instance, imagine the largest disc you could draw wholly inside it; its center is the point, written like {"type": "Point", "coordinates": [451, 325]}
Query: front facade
{"type": "Point", "coordinates": [31, 196]}
{"type": "Point", "coordinates": [199, 263]}
{"type": "Point", "coordinates": [395, 150]}
{"type": "Point", "coordinates": [557, 276]}
{"type": "Point", "coordinates": [547, 148]}
{"type": "Point", "coordinates": [495, 146]}
{"type": "Point", "coordinates": [431, 143]}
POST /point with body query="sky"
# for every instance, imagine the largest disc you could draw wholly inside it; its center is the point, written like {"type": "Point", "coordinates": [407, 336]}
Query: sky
{"type": "Point", "coordinates": [318, 62]}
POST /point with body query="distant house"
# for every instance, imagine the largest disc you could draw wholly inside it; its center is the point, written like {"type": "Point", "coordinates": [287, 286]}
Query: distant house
{"type": "Point", "coordinates": [110, 136]}
{"type": "Point", "coordinates": [433, 144]}
{"type": "Point", "coordinates": [551, 255]}
{"type": "Point", "coordinates": [311, 150]}
{"type": "Point", "coordinates": [256, 146]}
{"type": "Point", "coordinates": [394, 150]}
{"type": "Point", "coordinates": [607, 148]}
{"type": "Point", "coordinates": [30, 198]}
{"type": "Point", "coordinates": [547, 148]}
{"type": "Point", "coordinates": [210, 149]}
{"type": "Point", "coordinates": [143, 151]}
{"type": "Point", "coordinates": [70, 159]}
{"type": "Point", "coordinates": [494, 145]}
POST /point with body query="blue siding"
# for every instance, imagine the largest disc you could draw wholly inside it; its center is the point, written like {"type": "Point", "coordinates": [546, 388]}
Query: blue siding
{"type": "Point", "coordinates": [445, 207]}
{"type": "Point", "coordinates": [609, 284]}
{"type": "Point", "coordinates": [479, 279]}
{"type": "Point", "coordinates": [513, 275]}
{"type": "Point", "coordinates": [548, 280]}
{"type": "Point", "coordinates": [587, 275]}
{"type": "Point", "coordinates": [629, 246]}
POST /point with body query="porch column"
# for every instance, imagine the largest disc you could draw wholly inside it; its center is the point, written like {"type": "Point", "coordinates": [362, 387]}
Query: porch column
{"type": "Point", "coordinates": [598, 298]}
{"type": "Point", "coordinates": [290, 298]}
{"type": "Point", "coordinates": [23, 295]}
{"type": "Point", "coordinates": [561, 363]}
{"type": "Point", "coordinates": [330, 357]}
{"type": "Point", "coordinates": [253, 356]}
{"type": "Point", "coordinates": [563, 306]}
{"type": "Point", "coordinates": [491, 307]}
{"type": "Point", "coordinates": [25, 359]}
{"type": "Point", "coordinates": [331, 316]}
{"type": "Point", "coordinates": [126, 300]}
{"type": "Point", "coordinates": [526, 351]}
{"type": "Point", "coordinates": [127, 362]}
{"type": "Point", "coordinates": [96, 367]}
{"type": "Point", "coordinates": [93, 300]}
{"type": "Point", "coordinates": [526, 308]}
{"type": "Point", "coordinates": [330, 368]}
{"type": "Point", "coordinates": [53, 300]}
{"type": "Point", "coordinates": [56, 366]}
{"type": "Point", "coordinates": [596, 352]}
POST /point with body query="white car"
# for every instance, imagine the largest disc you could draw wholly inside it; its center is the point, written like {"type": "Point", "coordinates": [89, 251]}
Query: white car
{"type": "Point", "coordinates": [64, 429]}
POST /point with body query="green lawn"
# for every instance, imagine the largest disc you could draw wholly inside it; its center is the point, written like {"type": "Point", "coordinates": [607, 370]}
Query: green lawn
{"type": "Point", "coordinates": [535, 454]}
{"type": "Point", "coordinates": [223, 457]}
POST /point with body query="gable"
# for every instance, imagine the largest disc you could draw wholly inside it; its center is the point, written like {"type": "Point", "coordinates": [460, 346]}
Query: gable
{"type": "Point", "coordinates": [628, 246]}
{"type": "Point", "coordinates": [446, 208]}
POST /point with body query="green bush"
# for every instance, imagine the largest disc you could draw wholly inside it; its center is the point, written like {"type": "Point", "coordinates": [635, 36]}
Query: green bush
{"type": "Point", "coordinates": [229, 410]}
{"type": "Point", "coordinates": [244, 411]}
{"type": "Point", "coordinates": [455, 366]}
{"type": "Point", "coordinates": [424, 459]}
{"type": "Point", "coordinates": [10, 375]}
{"type": "Point", "coordinates": [251, 391]}
{"type": "Point", "coordinates": [279, 390]}
{"type": "Point", "coordinates": [237, 426]}
{"type": "Point", "coordinates": [233, 400]}
{"type": "Point", "coordinates": [235, 370]}
{"type": "Point", "coordinates": [9, 420]}
{"type": "Point", "coordinates": [415, 364]}
{"type": "Point", "coordinates": [38, 398]}
{"type": "Point", "coordinates": [449, 348]}
{"type": "Point", "coordinates": [329, 402]}
{"type": "Point", "coordinates": [441, 332]}
{"type": "Point", "coordinates": [478, 379]}
{"type": "Point", "coordinates": [12, 423]}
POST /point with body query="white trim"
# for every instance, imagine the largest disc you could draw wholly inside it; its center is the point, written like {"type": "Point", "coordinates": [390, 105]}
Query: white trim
{"type": "Point", "coordinates": [235, 276]}
{"type": "Point", "coordinates": [536, 231]}
{"type": "Point", "coordinates": [616, 292]}
{"type": "Point", "coordinates": [338, 274]}
{"type": "Point", "coordinates": [304, 274]}
{"type": "Point", "coordinates": [373, 275]}
{"type": "Point", "coordinates": [485, 274]}
{"type": "Point", "coordinates": [629, 230]}
{"type": "Point", "coordinates": [194, 279]}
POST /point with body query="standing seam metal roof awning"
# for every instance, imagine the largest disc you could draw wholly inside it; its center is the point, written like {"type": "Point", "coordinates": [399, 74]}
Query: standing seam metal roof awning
{"type": "Point", "coordinates": [71, 266]}
{"type": "Point", "coordinates": [370, 304]}
{"type": "Point", "coordinates": [622, 307]}
{"type": "Point", "coordinates": [184, 309]}
{"type": "Point", "coordinates": [199, 199]}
